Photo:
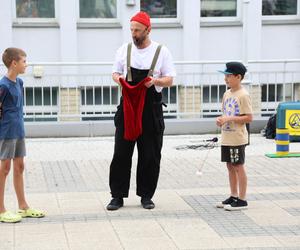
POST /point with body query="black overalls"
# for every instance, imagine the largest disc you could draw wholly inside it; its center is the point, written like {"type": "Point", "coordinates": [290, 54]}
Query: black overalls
{"type": "Point", "coordinates": [149, 144]}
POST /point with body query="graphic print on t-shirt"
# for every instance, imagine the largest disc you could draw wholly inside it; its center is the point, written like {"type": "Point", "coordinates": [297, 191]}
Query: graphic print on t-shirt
{"type": "Point", "coordinates": [231, 108]}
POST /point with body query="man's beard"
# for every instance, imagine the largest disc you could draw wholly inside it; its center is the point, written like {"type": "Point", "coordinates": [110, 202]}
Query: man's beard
{"type": "Point", "coordinates": [139, 41]}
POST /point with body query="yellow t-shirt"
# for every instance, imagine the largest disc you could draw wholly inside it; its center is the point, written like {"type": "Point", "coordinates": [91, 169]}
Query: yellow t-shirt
{"type": "Point", "coordinates": [235, 103]}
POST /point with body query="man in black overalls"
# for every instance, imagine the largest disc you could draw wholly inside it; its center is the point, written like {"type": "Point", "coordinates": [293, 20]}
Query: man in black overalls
{"type": "Point", "coordinates": [139, 60]}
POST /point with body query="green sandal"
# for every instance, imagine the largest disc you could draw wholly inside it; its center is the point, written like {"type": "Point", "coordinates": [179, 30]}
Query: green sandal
{"type": "Point", "coordinates": [30, 212]}
{"type": "Point", "coordinates": [10, 217]}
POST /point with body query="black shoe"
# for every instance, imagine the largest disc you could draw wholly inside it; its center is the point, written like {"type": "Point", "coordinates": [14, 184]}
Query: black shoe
{"type": "Point", "coordinates": [237, 205]}
{"type": "Point", "coordinates": [228, 201]}
{"type": "Point", "coordinates": [147, 203]}
{"type": "Point", "coordinates": [115, 204]}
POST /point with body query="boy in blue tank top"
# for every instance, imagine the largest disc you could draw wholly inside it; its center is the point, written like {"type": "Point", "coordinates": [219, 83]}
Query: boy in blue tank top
{"type": "Point", "coordinates": [12, 142]}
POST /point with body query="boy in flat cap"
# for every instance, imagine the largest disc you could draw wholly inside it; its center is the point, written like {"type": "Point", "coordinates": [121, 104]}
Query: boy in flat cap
{"type": "Point", "coordinates": [237, 111]}
{"type": "Point", "coordinates": [142, 69]}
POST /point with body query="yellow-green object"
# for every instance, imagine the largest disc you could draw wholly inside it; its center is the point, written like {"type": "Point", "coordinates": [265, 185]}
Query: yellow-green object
{"type": "Point", "coordinates": [30, 212]}
{"type": "Point", "coordinates": [282, 141]}
{"type": "Point", "coordinates": [10, 217]}
{"type": "Point", "coordinates": [289, 155]}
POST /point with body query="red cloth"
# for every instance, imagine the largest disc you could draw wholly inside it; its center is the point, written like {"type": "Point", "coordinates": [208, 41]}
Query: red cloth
{"type": "Point", "coordinates": [141, 17]}
{"type": "Point", "coordinates": [133, 106]}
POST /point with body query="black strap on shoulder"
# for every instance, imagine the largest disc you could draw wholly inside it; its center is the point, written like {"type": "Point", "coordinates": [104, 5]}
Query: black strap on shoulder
{"type": "Point", "coordinates": [154, 61]}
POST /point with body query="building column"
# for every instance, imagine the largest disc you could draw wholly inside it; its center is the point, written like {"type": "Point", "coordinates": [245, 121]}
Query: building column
{"type": "Point", "coordinates": [5, 25]}
{"type": "Point", "coordinates": [68, 30]}
{"type": "Point", "coordinates": [191, 30]}
{"type": "Point", "coordinates": [69, 91]}
{"type": "Point", "coordinates": [190, 93]}
{"type": "Point", "coordinates": [129, 8]}
{"type": "Point", "coordinates": [252, 29]}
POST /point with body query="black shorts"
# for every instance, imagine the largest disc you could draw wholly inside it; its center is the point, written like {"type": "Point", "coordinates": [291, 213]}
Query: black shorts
{"type": "Point", "coordinates": [233, 154]}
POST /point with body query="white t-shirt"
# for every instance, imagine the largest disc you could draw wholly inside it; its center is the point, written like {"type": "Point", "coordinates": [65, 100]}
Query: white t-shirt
{"type": "Point", "coordinates": [142, 59]}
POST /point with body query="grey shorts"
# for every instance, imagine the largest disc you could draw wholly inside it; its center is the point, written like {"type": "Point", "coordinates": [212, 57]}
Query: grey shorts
{"type": "Point", "coordinates": [12, 148]}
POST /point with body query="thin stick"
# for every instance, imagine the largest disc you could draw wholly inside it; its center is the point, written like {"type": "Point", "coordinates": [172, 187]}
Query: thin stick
{"type": "Point", "coordinates": [199, 172]}
{"type": "Point", "coordinates": [210, 145]}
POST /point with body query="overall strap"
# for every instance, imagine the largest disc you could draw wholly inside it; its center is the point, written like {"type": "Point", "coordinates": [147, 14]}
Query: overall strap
{"type": "Point", "coordinates": [154, 61]}
{"type": "Point", "coordinates": [129, 75]}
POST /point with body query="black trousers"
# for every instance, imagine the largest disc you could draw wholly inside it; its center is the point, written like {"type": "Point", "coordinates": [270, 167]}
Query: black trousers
{"type": "Point", "coordinates": [149, 146]}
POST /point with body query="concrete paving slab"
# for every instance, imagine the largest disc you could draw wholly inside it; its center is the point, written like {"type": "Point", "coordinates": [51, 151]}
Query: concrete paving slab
{"type": "Point", "coordinates": [68, 178]}
{"type": "Point", "coordinates": [92, 235]}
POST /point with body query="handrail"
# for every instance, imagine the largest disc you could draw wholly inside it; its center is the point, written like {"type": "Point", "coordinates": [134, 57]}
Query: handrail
{"type": "Point", "coordinates": [107, 63]}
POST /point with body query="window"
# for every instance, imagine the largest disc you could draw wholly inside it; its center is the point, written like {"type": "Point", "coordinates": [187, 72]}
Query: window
{"type": "Point", "coordinates": [37, 96]}
{"type": "Point", "coordinates": [99, 96]}
{"type": "Point", "coordinates": [213, 94]}
{"type": "Point", "coordinates": [279, 7]}
{"type": "Point", "coordinates": [160, 8]}
{"type": "Point", "coordinates": [218, 8]}
{"type": "Point", "coordinates": [98, 9]}
{"type": "Point", "coordinates": [277, 92]}
{"type": "Point", "coordinates": [35, 9]}
{"type": "Point", "coordinates": [169, 95]}
{"type": "Point", "coordinates": [97, 102]}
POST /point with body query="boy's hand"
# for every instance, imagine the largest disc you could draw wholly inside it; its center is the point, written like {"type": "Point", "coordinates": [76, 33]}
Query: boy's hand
{"type": "Point", "coordinates": [221, 120]}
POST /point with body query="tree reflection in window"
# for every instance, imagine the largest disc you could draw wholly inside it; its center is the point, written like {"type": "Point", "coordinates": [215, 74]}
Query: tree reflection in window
{"type": "Point", "coordinates": [218, 8]}
{"type": "Point", "coordinates": [35, 9]}
{"type": "Point", "coordinates": [98, 9]}
{"type": "Point", "coordinates": [160, 8]}
{"type": "Point", "coordinates": [279, 7]}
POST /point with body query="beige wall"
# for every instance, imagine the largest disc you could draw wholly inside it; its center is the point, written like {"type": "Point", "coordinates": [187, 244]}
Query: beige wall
{"type": "Point", "coordinates": [70, 104]}
{"type": "Point", "coordinates": [189, 100]}
{"type": "Point", "coordinates": [255, 94]}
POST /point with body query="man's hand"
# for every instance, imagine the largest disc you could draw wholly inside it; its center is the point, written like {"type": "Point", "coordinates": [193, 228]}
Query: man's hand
{"type": "Point", "coordinates": [151, 82]}
{"type": "Point", "coordinates": [116, 77]}
{"type": "Point", "coordinates": [121, 76]}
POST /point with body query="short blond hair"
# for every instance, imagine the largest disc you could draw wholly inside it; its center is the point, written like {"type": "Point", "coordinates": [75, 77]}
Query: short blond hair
{"type": "Point", "coordinates": [12, 54]}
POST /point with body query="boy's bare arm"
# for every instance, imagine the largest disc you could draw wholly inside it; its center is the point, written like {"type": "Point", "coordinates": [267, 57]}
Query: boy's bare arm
{"type": "Point", "coordinates": [247, 118]}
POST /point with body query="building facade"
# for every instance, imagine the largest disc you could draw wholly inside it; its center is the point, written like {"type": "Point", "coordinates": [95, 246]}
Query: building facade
{"type": "Point", "coordinates": [71, 45]}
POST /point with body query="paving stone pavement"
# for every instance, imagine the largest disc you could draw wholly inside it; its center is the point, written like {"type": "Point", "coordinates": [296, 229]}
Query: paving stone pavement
{"type": "Point", "coordinates": [68, 178]}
